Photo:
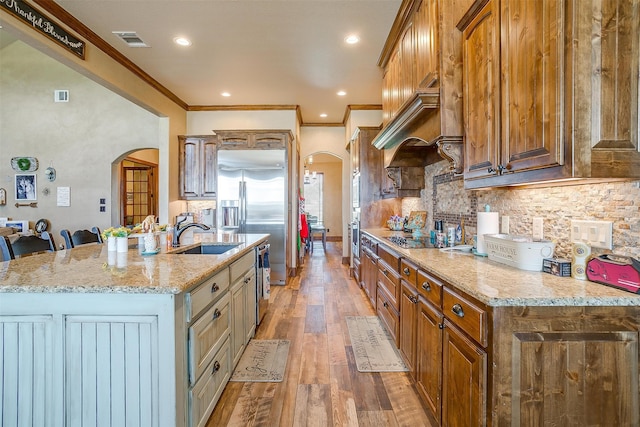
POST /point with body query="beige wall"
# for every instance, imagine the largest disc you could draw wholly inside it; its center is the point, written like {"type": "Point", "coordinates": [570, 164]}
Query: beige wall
{"type": "Point", "coordinates": [80, 139]}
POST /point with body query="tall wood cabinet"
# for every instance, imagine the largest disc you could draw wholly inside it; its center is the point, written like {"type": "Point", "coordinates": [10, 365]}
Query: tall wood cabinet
{"type": "Point", "coordinates": [197, 160]}
{"type": "Point", "coordinates": [550, 91]}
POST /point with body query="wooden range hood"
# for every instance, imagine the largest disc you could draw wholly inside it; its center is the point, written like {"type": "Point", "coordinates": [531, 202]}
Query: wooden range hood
{"type": "Point", "coordinates": [413, 140]}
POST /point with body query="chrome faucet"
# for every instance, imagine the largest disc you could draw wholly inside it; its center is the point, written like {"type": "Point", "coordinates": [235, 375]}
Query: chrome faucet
{"type": "Point", "coordinates": [179, 230]}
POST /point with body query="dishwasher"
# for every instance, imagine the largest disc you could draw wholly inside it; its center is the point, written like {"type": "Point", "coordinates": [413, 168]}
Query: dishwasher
{"type": "Point", "coordinates": [263, 281]}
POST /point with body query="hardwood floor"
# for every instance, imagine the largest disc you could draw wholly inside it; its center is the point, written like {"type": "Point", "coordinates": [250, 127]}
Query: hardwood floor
{"type": "Point", "coordinates": [322, 386]}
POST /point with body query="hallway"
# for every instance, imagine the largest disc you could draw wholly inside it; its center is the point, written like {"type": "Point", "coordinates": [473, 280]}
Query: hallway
{"type": "Point", "coordinates": [322, 386]}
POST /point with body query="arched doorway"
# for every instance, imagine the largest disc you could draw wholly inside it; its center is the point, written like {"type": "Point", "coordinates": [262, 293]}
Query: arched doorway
{"type": "Point", "coordinates": [322, 189]}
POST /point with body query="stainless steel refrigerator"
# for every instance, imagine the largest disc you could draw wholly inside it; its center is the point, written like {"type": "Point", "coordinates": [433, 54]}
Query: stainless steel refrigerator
{"type": "Point", "coordinates": [252, 199]}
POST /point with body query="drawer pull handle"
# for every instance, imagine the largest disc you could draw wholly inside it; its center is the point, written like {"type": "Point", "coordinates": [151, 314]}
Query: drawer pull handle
{"type": "Point", "coordinates": [216, 367]}
{"type": "Point", "coordinates": [426, 286]}
{"type": "Point", "coordinates": [247, 280]}
{"type": "Point", "coordinates": [457, 310]}
{"type": "Point", "coordinates": [215, 288]}
{"type": "Point", "coordinates": [406, 271]}
{"type": "Point", "coordinates": [216, 314]}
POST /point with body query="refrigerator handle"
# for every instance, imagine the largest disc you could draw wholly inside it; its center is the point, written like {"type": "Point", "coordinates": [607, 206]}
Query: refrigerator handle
{"type": "Point", "coordinates": [240, 206]}
{"type": "Point", "coordinates": [244, 207]}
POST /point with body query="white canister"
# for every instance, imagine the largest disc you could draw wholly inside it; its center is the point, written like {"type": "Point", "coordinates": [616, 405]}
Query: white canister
{"type": "Point", "coordinates": [122, 244]}
{"type": "Point", "coordinates": [111, 244]}
{"type": "Point", "coordinates": [580, 253]}
{"type": "Point", "coordinates": [451, 236]}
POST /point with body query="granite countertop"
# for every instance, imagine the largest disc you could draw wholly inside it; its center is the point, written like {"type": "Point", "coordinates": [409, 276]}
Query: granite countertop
{"type": "Point", "coordinates": [497, 284]}
{"type": "Point", "coordinates": [92, 269]}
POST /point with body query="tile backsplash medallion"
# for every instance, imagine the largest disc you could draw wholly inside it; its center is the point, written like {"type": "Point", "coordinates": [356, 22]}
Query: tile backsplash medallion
{"type": "Point", "coordinates": [444, 197]}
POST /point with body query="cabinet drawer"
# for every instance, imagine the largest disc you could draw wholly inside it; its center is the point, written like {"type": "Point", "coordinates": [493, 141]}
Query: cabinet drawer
{"type": "Point", "coordinates": [241, 266]}
{"type": "Point", "coordinates": [466, 315]}
{"type": "Point", "coordinates": [388, 314]}
{"type": "Point", "coordinates": [390, 280]}
{"type": "Point", "coordinates": [207, 335]}
{"type": "Point", "coordinates": [388, 256]}
{"type": "Point", "coordinates": [409, 272]}
{"type": "Point", "coordinates": [268, 140]}
{"type": "Point", "coordinates": [207, 292]}
{"type": "Point", "coordinates": [430, 288]}
{"type": "Point", "coordinates": [204, 395]}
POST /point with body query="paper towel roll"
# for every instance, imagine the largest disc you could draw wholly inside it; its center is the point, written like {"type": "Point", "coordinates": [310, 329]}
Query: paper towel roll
{"type": "Point", "coordinates": [579, 257]}
{"type": "Point", "coordinates": [488, 223]}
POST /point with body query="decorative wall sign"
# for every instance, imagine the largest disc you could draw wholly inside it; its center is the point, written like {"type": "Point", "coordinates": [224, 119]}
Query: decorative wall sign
{"type": "Point", "coordinates": [43, 24]}
{"type": "Point", "coordinates": [3, 196]}
{"type": "Point", "coordinates": [24, 164]}
{"type": "Point", "coordinates": [26, 187]}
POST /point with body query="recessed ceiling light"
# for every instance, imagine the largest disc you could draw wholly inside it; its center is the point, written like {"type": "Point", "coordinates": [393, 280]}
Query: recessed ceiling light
{"type": "Point", "coordinates": [225, 94]}
{"type": "Point", "coordinates": [352, 39]}
{"type": "Point", "coordinates": [323, 115]}
{"type": "Point", "coordinates": [342, 93]}
{"type": "Point", "coordinates": [182, 41]}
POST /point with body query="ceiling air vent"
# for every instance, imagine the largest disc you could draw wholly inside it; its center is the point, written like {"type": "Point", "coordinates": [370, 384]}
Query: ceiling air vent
{"type": "Point", "coordinates": [130, 38]}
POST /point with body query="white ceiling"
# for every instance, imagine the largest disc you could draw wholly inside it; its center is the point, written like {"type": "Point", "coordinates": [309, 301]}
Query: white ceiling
{"type": "Point", "coordinates": [289, 52]}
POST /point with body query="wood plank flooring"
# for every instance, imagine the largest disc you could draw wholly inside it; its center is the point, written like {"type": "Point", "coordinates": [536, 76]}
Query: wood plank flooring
{"type": "Point", "coordinates": [321, 386]}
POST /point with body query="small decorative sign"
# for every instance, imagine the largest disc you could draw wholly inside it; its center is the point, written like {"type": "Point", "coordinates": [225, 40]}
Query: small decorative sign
{"type": "Point", "coordinates": [40, 22]}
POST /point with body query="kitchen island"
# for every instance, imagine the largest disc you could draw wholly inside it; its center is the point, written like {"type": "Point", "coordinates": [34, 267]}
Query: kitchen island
{"type": "Point", "coordinates": [488, 344]}
{"type": "Point", "coordinates": [91, 337]}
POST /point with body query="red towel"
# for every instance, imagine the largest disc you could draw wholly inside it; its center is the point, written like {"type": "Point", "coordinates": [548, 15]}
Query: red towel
{"type": "Point", "coordinates": [304, 228]}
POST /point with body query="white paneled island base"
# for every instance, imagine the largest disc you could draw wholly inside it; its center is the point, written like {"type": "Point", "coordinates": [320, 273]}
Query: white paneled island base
{"type": "Point", "coordinates": [148, 346]}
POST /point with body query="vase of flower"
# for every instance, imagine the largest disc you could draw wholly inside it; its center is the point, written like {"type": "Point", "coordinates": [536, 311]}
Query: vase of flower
{"type": "Point", "coordinates": [117, 239]}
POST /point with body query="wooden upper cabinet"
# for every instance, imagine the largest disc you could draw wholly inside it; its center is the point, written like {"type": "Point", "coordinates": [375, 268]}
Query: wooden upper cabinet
{"type": "Point", "coordinates": [252, 139]}
{"type": "Point", "coordinates": [197, 157]}
{"type": "Point", "coordinates": [481, 77]}
{"type": "Point", "coordinates": [413, 62]}
{"type": "Point", "coordinates": [550, 91]}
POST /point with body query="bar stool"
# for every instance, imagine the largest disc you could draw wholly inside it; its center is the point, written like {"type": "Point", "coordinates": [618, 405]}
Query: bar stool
{"type": "Point", "coordinates": [316, 227]}
{"type": "Point", "coordinates": [25, 245]}
{"type": "Point", "coordinates": [81, 237]}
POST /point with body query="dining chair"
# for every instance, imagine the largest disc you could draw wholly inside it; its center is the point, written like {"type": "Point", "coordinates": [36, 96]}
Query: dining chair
{"type": "Point", "coordinates": [25, 245]}
{"type": "Point", "coordinates": [80, 237]}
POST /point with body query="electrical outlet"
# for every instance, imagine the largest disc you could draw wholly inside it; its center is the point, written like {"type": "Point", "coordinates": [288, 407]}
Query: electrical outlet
{"type": "Point", "coordinates": [504, 226]}
{"type": "Point", "coordinates": [538, 229]}
{"type": "Point", "coordinates": [597, 234]}
{"type": "Point", "coordinates": [103, 209]}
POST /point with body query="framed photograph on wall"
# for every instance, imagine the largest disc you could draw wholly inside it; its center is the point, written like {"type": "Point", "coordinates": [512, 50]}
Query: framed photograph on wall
{"type": "Point", "coordinates": [25, 185]}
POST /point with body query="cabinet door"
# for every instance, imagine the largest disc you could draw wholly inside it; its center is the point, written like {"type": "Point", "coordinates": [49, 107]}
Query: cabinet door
{"type": "Point", "coordinates": [189, 168]}
{"type": "Point", "coordinates": [231, 139]}
{"type": "Point", "coordinates": [238, 312]}
{"type": "Point", "coordinates": [426, 43]}
{"type": "Point", "coordinates": [30, 395]}
{"type": "Point", "coordinates": [266, 140]}
{"type": "Point", "coordinates": [481, 81]}
{"type": "Point", "coordinates": [209, 166]}
{"type": "Point", "coordinates": [250, 305]}
{"type": "Point", "coordinates": [429, 356]}
{"type": "Point", "coordinates": [408, 315]}
{"type": "Point", "coordinates": [464, 380]}
{"type": "Point", "coordinates": [531, 59]}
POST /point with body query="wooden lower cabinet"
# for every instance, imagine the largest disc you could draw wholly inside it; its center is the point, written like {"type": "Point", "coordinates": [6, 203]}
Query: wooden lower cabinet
{"type": "Point", "coordinates": [408, 317]}
{"type": "Point", "coordinates": [429, 356]}
{"type": "Point", "coordinates": [369, 272]}
{"type": "Point", "coordinates": [464, 379]}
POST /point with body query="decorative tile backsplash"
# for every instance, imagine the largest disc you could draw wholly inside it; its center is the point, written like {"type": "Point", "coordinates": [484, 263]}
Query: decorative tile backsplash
{"type": "Point", "coordinates": [445, 198]}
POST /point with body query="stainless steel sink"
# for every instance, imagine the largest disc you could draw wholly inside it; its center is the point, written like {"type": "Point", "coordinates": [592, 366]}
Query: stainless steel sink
{"type": "Point", "coordinates": [209, 249]}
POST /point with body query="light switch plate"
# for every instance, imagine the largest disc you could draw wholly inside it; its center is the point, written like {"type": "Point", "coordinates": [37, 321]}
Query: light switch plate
{"type": "Point", "coordinates": [597, 234]}
{"type": "Point", "coordinates": [504, 225]}
{"type": "Point", "coordinates": [538, 229]}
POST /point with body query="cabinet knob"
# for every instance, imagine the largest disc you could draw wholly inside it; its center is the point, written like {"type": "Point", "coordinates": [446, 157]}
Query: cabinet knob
{"type": "Point", "coordinates": [426, 286]}
{"type": "Point", "coordinates": [216, 314]}
{"type": "Point", "coordinates": [457, 310]}
{"type": "Point", "coordinates": [247, 280]}
{"type": "Point", "coordinates": [215, 288]}
{"type": "Point", "coordinates": [385, 272]}
{"type": "Point", "coordinates": [500, 169]}
{"type": "Point", "coordinates": [216, 367]}
{"type": "Point", "coordinates": [406, 271]}
{"type": "Point", "coordinates": [385, 304]}
{"type": "Point", "coordinates": [414, 299]}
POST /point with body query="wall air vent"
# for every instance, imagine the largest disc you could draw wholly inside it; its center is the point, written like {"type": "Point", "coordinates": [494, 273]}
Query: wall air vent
{"type": "Point", "coordinates": [61, 96]}
{"type": "Point", "coordinates": [131, 38]}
